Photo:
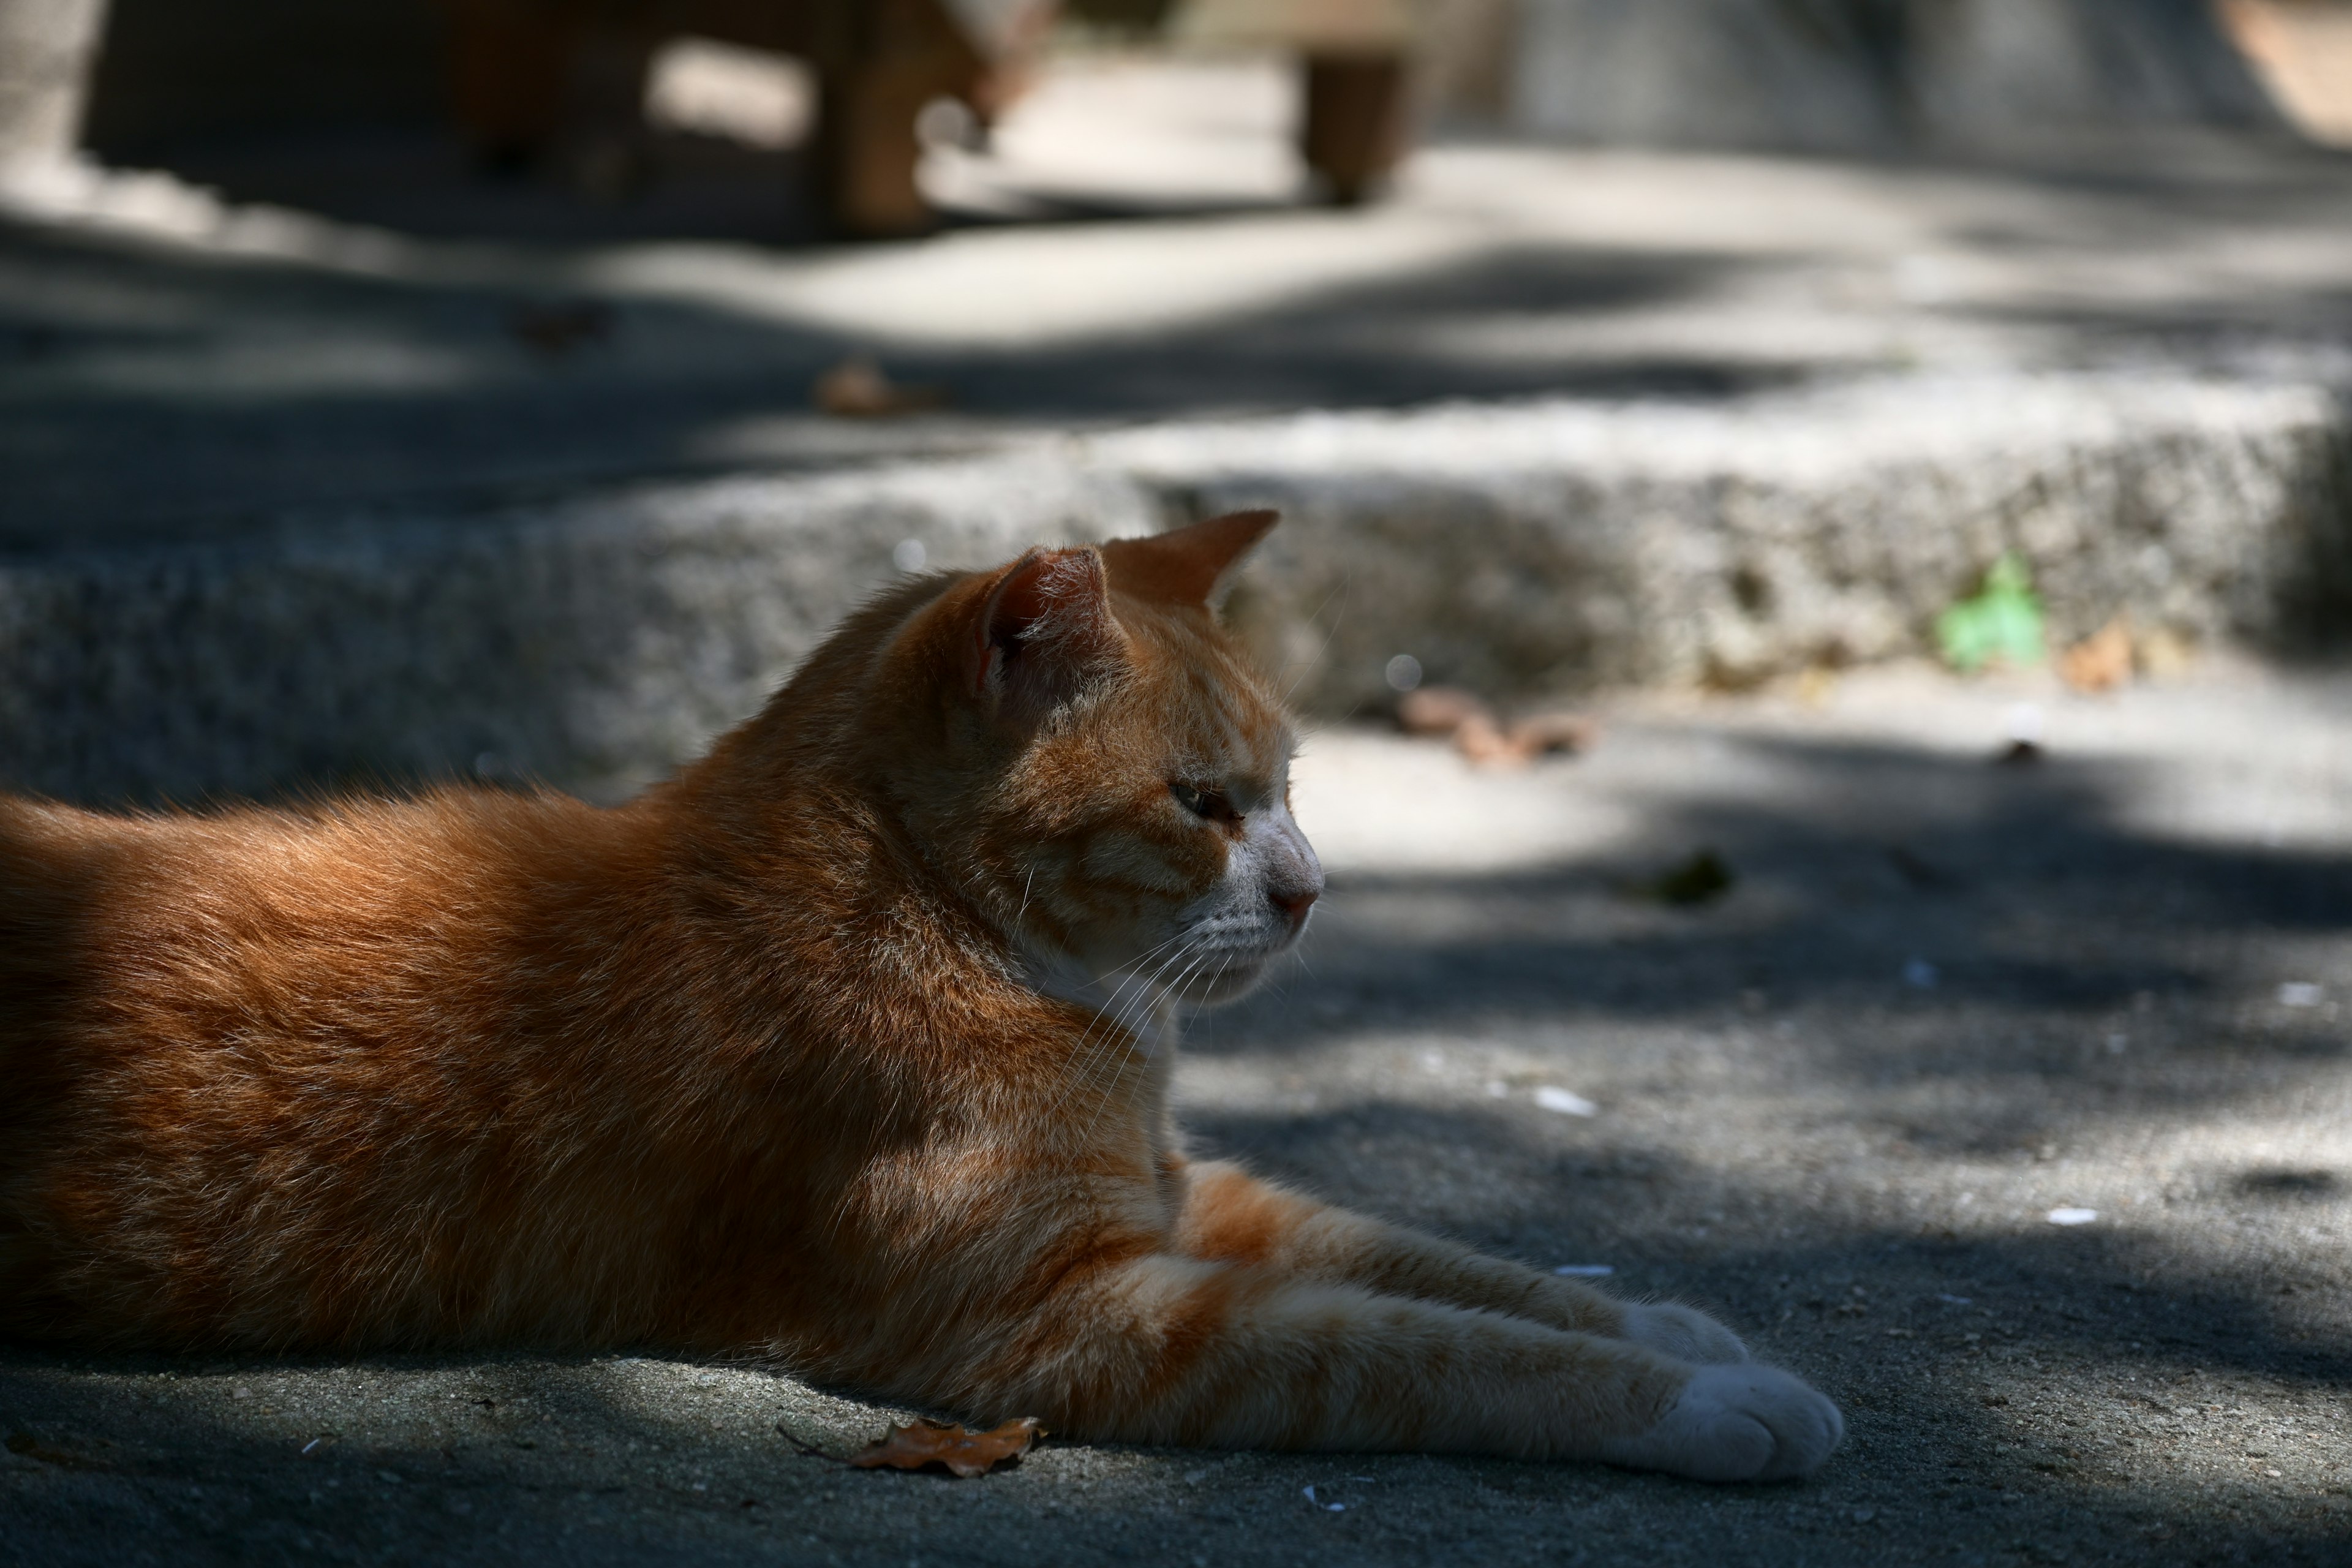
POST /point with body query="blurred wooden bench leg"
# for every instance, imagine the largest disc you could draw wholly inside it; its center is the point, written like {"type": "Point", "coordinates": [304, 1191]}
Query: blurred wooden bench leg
{"type": "Point", "coordinates": [509, 77]}
{"type": "Point", "coordinates": [865, 148]}
{"type": "Point", "coordinates": [606, 110]}
{"type": "Point", "coordinates": [1354, 130]}
{"type": "Point", "coordinates": [524, 72]}
{"type": "Point", "coordinates": [48, 50]}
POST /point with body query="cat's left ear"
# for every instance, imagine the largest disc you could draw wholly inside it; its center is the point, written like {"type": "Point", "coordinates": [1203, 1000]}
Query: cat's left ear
{"type": "Point", "coordinates": [1186, 565]}
{"type": "Point", "coordinates": [1044, 633]}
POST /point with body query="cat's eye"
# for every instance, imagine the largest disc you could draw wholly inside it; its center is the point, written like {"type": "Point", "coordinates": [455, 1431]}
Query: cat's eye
{"type": "Point", "coordinates": [1209, 804]}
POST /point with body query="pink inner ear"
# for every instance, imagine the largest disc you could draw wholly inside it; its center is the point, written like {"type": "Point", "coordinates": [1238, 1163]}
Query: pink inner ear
{"type": "Point", "coordinates": [1025, 599]}
{"type": "Point", "coordinates": [1048, 623]}
{"type": "Point", "coordinates": [1184, 565]}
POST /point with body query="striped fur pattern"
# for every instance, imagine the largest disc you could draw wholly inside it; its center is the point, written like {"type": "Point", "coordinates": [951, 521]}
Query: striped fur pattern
{"type": "Point", "coordinates": [848, 1048]}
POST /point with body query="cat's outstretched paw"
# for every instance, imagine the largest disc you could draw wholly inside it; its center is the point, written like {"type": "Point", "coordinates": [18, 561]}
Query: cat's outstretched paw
{"type": "Point", "coordinates": [1683, 1334]}
{"type": "Point", "coordinates": [1744, 1423]}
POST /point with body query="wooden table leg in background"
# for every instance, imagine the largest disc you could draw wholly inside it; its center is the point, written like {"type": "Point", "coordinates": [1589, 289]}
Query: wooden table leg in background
{"type": "Point", "coordinates": [46, 51]}
{"type": "Point", "coordinates": [878, 63]}
{"type": "Point", "coordinates": [509, 77]}
{"type": "Point", "coordinates": [1354, 130]}
{"type": "Point", "coordinates": [864, 156]}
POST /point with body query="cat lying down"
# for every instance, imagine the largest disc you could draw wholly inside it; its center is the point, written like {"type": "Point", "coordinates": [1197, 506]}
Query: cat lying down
{"type": "Point", "coordinates": [848, 1048]}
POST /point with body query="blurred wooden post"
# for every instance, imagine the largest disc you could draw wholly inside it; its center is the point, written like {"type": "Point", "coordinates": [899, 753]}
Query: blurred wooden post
{"type": "Point", "coordinates": [516, 69]}
{"type": "Point", "coordinates": [1353, 132]}
{"type": "Point", "coordinates": [878, 63]}
{"type": "Point", "coordinates": [48, 48]}
{"type": "Point", "coordinates": [1355, 60]}
{"type": "Point", "coordinates": [509, 76]}
{"type": "Point", "coordinates": [863, 158]}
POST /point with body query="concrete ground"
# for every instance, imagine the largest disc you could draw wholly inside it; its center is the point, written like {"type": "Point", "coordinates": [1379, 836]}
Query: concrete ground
{"type": "Point", "coordinates": [1944, 998]}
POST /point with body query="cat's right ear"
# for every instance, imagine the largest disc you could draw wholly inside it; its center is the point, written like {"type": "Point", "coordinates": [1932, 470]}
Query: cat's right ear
{"type": "Point", "coordinates": [1045, 634]}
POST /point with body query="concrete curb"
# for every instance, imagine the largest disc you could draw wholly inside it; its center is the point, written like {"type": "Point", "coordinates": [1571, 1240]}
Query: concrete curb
{"type": "Point", "coordinates": [1521, 550]}
{"type": "Point", "coordinates": [1567, 546]}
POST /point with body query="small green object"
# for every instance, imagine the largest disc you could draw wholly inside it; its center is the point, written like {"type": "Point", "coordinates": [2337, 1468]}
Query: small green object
{"type": "Point", "coordinates": [2001, 625]}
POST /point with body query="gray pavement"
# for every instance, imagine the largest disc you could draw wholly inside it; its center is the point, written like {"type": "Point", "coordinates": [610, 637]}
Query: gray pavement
{"type": "Point", "coordinates": [1944, 998]}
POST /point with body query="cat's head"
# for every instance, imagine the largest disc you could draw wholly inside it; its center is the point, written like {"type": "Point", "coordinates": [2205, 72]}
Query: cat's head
{"type": "Point", "coordinates": [1104, 770]}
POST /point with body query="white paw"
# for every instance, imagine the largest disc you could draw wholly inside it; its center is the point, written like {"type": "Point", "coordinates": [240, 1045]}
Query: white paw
{"type": "Point", "coordinates": [1682, 1333]}
{"type": "Point", "coordinates": [1742, 1422]}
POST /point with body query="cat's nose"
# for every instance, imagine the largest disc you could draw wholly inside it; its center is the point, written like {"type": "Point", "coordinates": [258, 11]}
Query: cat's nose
{"type": "Point", "coordinates": [1293, 902]}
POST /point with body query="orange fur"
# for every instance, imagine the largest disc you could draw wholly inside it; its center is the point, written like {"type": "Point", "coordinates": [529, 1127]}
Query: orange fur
{"type": "Point", "coordinates": [847, 1046]}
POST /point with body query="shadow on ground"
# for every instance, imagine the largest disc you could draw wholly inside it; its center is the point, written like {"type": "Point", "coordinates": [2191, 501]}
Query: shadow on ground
{"type": "Point", "coordinates": [155, 397]}
{"type": "Point", "coordinates": [1787, 1129]}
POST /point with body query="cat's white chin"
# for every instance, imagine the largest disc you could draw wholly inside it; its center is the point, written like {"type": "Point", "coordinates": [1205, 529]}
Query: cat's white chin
{"type": "Point", "coordinates": [1230, 983]}
{"type": "Point", "coordinates": [1122, 991]}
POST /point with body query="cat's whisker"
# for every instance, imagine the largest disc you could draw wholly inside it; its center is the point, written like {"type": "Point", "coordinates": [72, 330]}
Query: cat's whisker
{"type": "Point", "coordinates": [1175, 990]}
{"type": "Point", "coordinates": [1094, 1050]}
{"type": "Point", "coordinates": [1107, 1011]}
{"type": "Point", "coordinates": [1109, 1008]}
{"type": "Point", "coordinates": [1132, 967]}
{"type": "Point", "coordinates": [1104, 1063]}
{"type": "Point", "coordinates": [1156, 993]}
{"type": "Point", "coordinates": [1223, 968]}
{"type": "Point", "coordinates": [1307, 666]}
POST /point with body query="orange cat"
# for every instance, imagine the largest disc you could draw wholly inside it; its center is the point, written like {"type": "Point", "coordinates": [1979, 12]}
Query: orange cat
{"type": "Point", "coordinates": [849, 1048]}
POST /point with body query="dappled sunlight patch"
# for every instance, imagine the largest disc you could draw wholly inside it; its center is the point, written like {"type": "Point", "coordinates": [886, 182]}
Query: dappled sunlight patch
{"type": "Point", "coordinates": [751, 1406]}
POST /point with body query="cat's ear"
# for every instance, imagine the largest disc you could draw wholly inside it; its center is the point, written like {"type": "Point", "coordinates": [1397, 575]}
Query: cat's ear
{"type": "Point", "coordinates": [1186, 565]}
{"type": "Point", "coordinates": [1044, 633]}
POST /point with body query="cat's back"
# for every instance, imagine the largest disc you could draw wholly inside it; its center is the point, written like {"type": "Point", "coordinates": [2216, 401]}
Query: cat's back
{"type": "Point", "coordinates": [159, 926]}
{"type": "Point", "coordinates": [258, 1034]}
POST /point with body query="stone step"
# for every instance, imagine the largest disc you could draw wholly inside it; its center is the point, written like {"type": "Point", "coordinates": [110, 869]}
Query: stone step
{"type": "Point", "coordinates": [1524, 549]}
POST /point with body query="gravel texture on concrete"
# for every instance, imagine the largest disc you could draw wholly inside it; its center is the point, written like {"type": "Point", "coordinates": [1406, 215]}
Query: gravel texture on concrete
{"type": "Point", "coordinates": [1944, 1000]}
{"type": "Point", "coordinates": [1861, 78]}
{"type": "Point", "coordinates": [1554, 547]}
{"type": "Point", "coordinates": [1522, 549]}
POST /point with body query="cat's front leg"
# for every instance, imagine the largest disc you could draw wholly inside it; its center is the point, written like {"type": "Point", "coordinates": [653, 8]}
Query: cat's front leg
{"type": "Point", "coordinates": [1683, 1332]}
{"type": "Point", "coordinates": [1168, 1349]}
{"type": "Point", "coordinates": [1743, 1422]}
{"type": "Point", "coordinates": [1234, 1216]}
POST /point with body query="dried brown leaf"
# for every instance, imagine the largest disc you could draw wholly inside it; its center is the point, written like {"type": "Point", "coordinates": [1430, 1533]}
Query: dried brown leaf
{"type": "Point", "coordinates": [965, 1452]}
{"type": "Point", "coordinates": [556, 327]}
{"type": "Point", "coordinates": [1450, 712]}
{"type": "Point", "coordinates": [1482, 741]}
{"type": "Point", "coordinates": [1540, 733]}
{"type": "Point", "coordinates": [857, 388]}
{"type": "Point", "coordinates": [1439, 710]}
{"type": "Point", "coordinates": [2100, 662]}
